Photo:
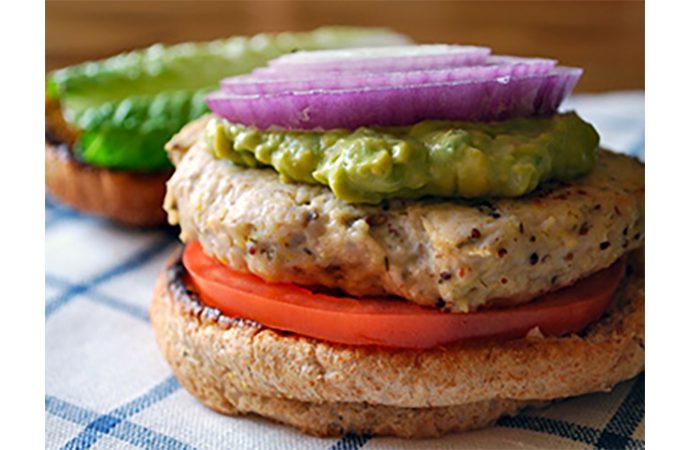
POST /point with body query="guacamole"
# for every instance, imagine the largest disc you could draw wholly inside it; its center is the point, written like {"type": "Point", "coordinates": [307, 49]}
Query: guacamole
{"type": "Point", "coordinates": [437, 158]}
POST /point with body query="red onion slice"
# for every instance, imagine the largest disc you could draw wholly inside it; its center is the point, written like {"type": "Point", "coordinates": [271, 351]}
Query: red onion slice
{"type": "Point", "coordinates": [291, 82]}
{"type": "Point", "coordinates": [494, 98]}
{"type": "Point", "coordinates": [377, 60]}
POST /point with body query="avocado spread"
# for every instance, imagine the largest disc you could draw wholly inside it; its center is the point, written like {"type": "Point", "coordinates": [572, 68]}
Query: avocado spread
{"type": "Point", "coordinates": [438, 158]}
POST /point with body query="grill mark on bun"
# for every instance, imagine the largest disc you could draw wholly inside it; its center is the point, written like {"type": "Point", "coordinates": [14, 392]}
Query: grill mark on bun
{"type": "Point", "coordinates": [192, 304]}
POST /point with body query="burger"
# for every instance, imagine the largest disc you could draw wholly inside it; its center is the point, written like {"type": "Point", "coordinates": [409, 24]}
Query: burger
{"type": "Point", "coordinates": [107, 121]}
{"type": "Point", "coordinates": [404, 241]}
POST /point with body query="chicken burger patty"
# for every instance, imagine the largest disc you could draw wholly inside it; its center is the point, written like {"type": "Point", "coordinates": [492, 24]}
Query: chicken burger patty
{"type": "Point", "coordinates": [452, 254]}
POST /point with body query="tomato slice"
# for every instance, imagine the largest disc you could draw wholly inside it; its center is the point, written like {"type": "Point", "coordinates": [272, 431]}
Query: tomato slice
{"type": "Point", "coordinates": [391, 322]}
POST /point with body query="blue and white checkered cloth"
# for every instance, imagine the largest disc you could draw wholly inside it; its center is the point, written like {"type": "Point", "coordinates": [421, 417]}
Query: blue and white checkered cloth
{"type": "Point", "coordinates": [107, 385]}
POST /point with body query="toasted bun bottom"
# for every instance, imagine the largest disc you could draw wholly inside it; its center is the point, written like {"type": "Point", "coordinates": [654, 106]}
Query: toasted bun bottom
{"type": "Point", "coordinates": [237, 367]}
{"type": "Point", "coordinates": [129, 198]}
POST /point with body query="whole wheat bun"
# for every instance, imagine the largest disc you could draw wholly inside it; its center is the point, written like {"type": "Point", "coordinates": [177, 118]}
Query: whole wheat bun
{"type": "Point", "coordinates": [130, 198]}
{"type": "Point", "coordinates": [238, 367]}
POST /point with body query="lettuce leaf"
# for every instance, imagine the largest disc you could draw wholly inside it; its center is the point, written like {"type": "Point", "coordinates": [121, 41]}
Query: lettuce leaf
{"type": "Point", "coordinates": [130, 134]}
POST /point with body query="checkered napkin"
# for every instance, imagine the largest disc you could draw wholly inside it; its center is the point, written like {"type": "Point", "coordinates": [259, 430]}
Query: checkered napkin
{"type": "Point", "coordinates": [107, 385]}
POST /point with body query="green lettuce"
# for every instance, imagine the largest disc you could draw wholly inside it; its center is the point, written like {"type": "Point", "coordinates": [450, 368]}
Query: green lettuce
{"type": "Point", "coordinates": [130, 134]}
